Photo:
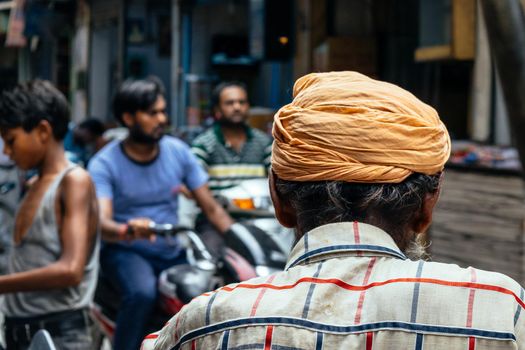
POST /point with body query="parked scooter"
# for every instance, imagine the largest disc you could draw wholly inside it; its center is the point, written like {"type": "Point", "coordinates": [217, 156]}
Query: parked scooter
{"type": "Point", "coordinates": [178, 285]}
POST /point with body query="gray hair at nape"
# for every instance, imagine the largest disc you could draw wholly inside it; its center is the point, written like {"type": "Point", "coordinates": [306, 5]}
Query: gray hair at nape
{"type": "Point", "coordinates": [391, 207]}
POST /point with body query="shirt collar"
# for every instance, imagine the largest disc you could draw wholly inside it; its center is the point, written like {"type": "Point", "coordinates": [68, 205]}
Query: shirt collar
{"type": "Point", "coordinates": [343, 239]}
{"type": "Point", "coordinates": [218, 132]}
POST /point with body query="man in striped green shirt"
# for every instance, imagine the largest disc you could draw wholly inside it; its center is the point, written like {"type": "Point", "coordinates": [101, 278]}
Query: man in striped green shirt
{"type": "Point", "coordinates": [230, 150]}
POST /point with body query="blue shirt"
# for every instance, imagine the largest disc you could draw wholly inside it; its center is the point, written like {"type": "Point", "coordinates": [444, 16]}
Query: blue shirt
{"type": "Point", "coordinates": [148, 190]}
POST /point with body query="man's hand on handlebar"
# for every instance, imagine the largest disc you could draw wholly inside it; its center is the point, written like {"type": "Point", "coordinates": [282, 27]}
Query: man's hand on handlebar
{"type": "Point", "coordinates": [138, 228]}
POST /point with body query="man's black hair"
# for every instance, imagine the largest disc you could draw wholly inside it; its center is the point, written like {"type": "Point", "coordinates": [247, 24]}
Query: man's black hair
{"type": "Point", "coordinates": [27, 104]}
{"type": "Point", "coordinates": [136, 95]}
{"type": "Point", "coordinates": [94, 126]}
{"type": "Point", "coordinates": [216, 94]}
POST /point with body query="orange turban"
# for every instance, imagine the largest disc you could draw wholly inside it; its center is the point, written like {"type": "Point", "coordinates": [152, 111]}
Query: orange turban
{"type": "Point", "coordinates": [344, 126]}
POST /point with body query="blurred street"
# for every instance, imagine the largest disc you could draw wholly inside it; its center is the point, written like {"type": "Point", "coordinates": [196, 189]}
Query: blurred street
{"type": "Point", "coordinates": [467, 63]}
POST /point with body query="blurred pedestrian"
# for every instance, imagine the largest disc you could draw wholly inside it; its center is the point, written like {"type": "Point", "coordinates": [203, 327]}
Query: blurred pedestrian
{"type": "Point", "coordinates": [9, 198]}
{"type": "Point", "coordinates": [53, 264]}
{"type": "Point", "coordinates": [84, 140]}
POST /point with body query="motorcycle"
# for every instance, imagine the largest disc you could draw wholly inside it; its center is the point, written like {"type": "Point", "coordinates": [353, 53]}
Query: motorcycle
{"type": "Point", "coordinates": [178, 285]}
{"type": "Point", "coordinates": [42, 341]}
{"type": "Point", "coordinates": [265, 243]}
{"type": "Point", "coordinates": [261, 240]}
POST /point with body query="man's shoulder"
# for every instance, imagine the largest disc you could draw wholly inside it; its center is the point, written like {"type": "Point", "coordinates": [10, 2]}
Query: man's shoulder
{"type": "Point", "coordinates": [206, 138]}
{"type": "Point", "coordinates": [177, 150]}
{"type": "Point", "coordinates": [453, 272]}
{"type": "Point", "coordinates": [492, 292]}
{"type": "Point", "coordinates": [221, 305]}
{"type": "Point", "coordinates": [192, 316]}
{"type": "Point", "coordinates": [258, 134]}
{"type": "Point", "coordinates": [109, 151]}
{"type": "Point", "coordinates": [173, 142]}
{"type": "Point", "coordinates": [107, 157]}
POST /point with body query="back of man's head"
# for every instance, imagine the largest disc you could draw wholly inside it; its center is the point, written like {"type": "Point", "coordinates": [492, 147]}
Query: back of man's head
{"type": "Point", "coordinates": [350, 148]}
{"type": "Point", "coordinates": [136, 95]}
{"type": "Point", "coordinates": [94, 126]}
{"type": "Point", "coordinates": [27, 104]}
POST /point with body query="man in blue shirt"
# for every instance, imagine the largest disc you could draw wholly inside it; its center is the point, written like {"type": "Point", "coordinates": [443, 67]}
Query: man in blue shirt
{"type": "Point", "coordinates": [137, 181]}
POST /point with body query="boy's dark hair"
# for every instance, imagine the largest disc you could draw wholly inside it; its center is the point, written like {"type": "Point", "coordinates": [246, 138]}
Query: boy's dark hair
{"type": "Point", "coordinates": [216, 93]}
{"type": "Point", "coordinates": [27, 104]}
{"type": "Point", "coordinates": [94, 126]}
{"type": "Point", "coordinates": [136, 95]}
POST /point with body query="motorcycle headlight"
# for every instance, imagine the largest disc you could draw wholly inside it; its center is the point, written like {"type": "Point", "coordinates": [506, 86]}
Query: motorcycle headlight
{"type": "Point", "coordinates": [253, 203]}
{"type": "Point", "coordinates": [244, 203]}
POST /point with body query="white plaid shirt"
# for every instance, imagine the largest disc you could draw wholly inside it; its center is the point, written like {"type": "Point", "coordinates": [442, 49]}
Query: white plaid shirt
{"type": "Point", "coordinates": [348, 286]}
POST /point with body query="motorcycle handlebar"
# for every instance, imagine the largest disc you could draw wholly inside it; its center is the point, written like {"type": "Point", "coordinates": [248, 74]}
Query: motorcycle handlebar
{"type": "Point", "coordinates": [167, 229]}
{"type": "Point", "coordinates": [163, 230]}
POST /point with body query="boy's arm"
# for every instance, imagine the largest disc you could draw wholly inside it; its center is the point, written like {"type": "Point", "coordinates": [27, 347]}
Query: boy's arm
{"type": "Point", "coordinates": [76, 238]}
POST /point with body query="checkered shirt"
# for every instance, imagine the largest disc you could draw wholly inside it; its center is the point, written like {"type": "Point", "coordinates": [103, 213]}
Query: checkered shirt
{"type": "Point", "coordinates": [348, 286]}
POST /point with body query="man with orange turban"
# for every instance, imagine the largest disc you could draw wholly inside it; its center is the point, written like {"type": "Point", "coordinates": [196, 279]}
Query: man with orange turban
{"type": "Point", "coordinates": [356, 170]}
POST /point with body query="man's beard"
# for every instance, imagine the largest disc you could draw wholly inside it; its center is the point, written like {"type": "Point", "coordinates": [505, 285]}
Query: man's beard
{"type": "Point", "coordinates": [417, 248]}
{"type": "Point", "coordinates": [136, 134]}
{"type": "Point", "coordinates": [229, 123]}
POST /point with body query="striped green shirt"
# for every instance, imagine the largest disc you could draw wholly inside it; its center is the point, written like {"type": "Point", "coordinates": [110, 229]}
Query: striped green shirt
{"type": "Point", "coordinates": [227, 167]}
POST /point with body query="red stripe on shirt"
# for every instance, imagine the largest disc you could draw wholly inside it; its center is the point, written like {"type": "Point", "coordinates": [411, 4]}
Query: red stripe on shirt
{"type": "Point", "coordinates": [152, 336]}
{"type": "Point", "coordinates": [356, 233]}
{"type": "Point", "coordinates": [268, 339]}
{"type": "Point", "coordinates": [369, 339]}
{"type": "Point", "coordinates": [362, 295]}
{"type": "Point", "coordinates": [357, 238]}
{"type": "Point", "coordinates": [193, 345]}
{"type": "Point", "coordinates": [470, 309]}
{"type": "Point", "coordinates": [176, 331]}
{"type": "Point", "coordinates": [471, 299]}
{"type": "Point", "coordinates": [350, 287]}
{"type": "Point", "coordinates": [260, 296]}
{"type": "Point", "coordinates": [471, 343]}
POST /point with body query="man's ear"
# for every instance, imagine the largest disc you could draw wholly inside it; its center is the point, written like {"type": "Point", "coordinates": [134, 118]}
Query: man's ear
{"type": "Point", "coordinates": [424, 220]}
{"type": "Point", "coordinates": [128, 119]}
{"type": "Point", "coordinates": [284, 212]}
